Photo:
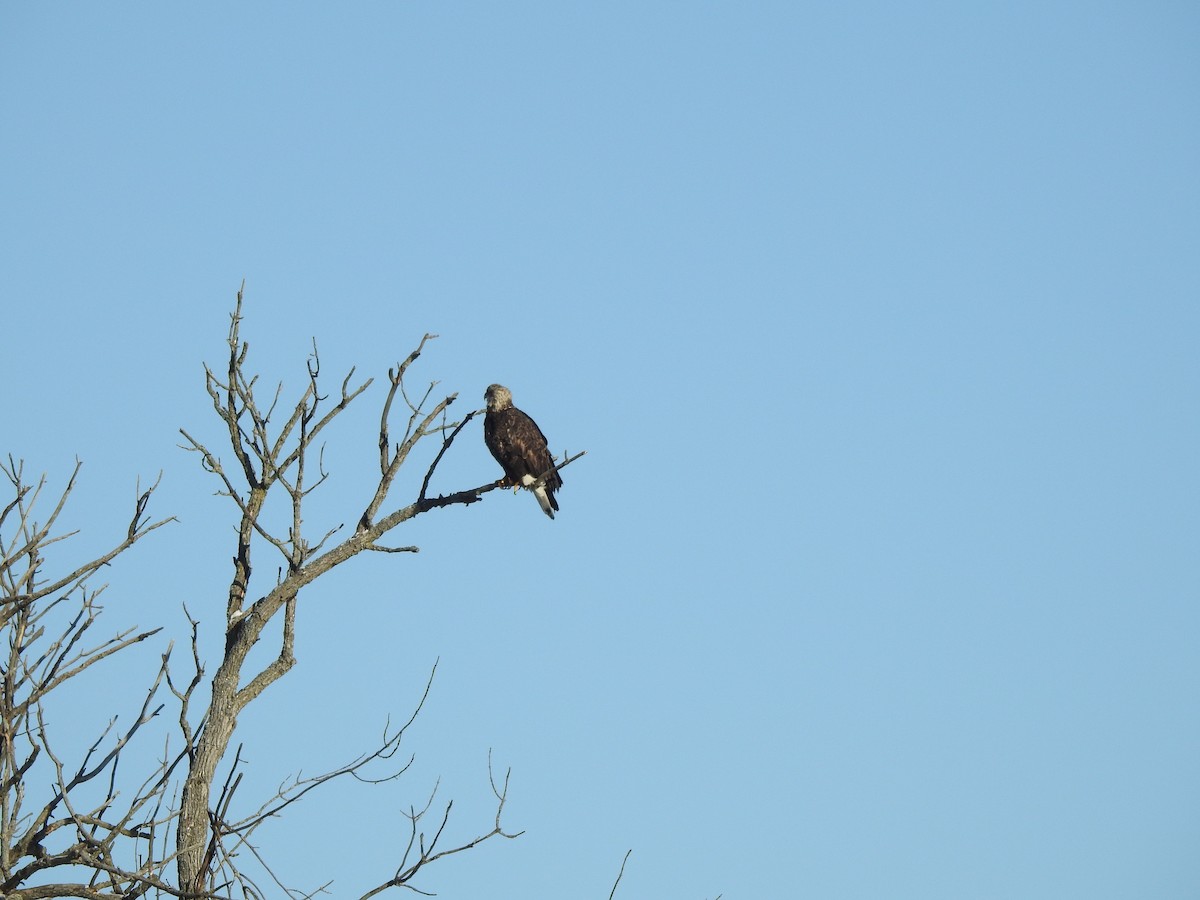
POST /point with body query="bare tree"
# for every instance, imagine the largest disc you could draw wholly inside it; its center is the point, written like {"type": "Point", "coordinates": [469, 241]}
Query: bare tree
{"type": "Point", "coordinates": [125, 849]}
{"type": "Point", "coordinates": [48, 622]}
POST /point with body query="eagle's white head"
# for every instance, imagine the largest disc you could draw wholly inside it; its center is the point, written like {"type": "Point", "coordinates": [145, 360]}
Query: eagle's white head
{"type": "Point", "coordinates": [498, 397]}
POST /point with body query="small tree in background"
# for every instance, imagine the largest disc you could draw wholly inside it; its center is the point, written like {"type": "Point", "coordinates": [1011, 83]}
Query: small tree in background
{"type": "Point", "coordinates": [68, 826]}
{"type": "Point", "coordinates": [59, 812]}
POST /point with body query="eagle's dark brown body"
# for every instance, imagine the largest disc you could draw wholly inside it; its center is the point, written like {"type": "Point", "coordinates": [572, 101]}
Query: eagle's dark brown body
{"type": "Point", "coordinates": [519, 446]}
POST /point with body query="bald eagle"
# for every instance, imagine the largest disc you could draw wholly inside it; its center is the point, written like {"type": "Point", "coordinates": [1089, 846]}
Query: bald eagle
{"type": "Point", "coordinates": [519, 446]}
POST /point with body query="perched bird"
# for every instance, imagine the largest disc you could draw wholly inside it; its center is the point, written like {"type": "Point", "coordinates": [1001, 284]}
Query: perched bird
{"type": "Point", "coordinates": [519, 446]}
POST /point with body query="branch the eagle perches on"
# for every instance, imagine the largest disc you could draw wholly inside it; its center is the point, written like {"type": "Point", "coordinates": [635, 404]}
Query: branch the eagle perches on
{"type": "Point", "coordinates": [267, 459]}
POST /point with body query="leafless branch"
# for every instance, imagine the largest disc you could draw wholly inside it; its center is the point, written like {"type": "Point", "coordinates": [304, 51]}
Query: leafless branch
{"type": "Point", "coordinates": [428, 852]}
{"type": "Point", "coordinates": [613, 892]}
{"type": "Point", "coordinates": [541, 479]}
{"type": "Point", "coordinates": [446, 442]}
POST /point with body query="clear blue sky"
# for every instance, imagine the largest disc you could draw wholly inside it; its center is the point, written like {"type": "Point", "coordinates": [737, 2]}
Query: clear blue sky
{"type": "Point", "coordinates": [879, 323]}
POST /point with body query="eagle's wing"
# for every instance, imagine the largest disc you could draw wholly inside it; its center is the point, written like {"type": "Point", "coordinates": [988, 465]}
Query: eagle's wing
{"type": "Point", "coordinates": [533, 452]}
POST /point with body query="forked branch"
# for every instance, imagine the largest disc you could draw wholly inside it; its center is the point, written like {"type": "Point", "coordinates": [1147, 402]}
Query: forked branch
{"type": "Point", "coordinates": [427, 852]}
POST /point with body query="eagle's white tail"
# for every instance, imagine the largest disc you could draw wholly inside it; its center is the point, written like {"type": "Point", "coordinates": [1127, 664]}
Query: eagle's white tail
{"type": "Point", "coordinates": [544, 497]}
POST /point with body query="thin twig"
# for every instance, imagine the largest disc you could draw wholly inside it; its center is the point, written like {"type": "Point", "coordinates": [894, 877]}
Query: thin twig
{"type": "Point", "coordinates": [613, 892]}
